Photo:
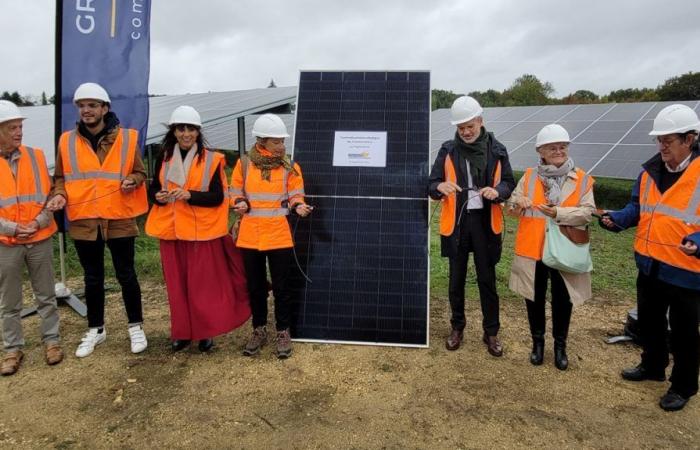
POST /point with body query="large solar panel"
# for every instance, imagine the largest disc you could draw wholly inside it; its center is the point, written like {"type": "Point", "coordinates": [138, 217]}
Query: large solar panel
{"type": "Point", "coordinates": [365, 246]}
{"type": "Point", "coordinates": [608, 140]}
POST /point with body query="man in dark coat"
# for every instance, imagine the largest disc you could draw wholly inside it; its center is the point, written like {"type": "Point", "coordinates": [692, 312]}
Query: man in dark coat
{"type": "Point", "coordinates": [472, 176]}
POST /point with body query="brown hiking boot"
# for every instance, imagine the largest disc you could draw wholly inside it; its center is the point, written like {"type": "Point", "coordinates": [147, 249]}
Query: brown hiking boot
{"type": "Point", "coordinates": [54, 353]}
{"type": "Point", "coordinates": [257, 340]}
{"type": "Point", "coordinates": [11, 362]}
{"type": "Point", "coordinates": [284, 344]}
{"type": "Point", "coordinates": [454, 340]}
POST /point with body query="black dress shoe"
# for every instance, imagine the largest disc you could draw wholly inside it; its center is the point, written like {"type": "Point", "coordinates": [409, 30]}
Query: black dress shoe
{"type": "Point", "coordinates": [179, 344]}
{"type": "Point", "coordinates": [205, 345]}
{"type": "Point", "coordinates": [672, 401]}
{"type": "Point", "coordinates": [561, 361]}
{"type": "Point", "coordinates": [639, 373]}
{"type": "Point", "coordinates": [537, 355]}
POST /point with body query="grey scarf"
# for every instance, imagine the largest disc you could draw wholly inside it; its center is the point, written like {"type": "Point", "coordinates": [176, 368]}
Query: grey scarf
{"type": "Point", "coordinates": [553, 178]}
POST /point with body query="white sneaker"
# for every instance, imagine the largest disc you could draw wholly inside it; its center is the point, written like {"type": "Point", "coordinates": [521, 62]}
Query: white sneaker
{"type": "Point", "coordinates": [89, 341]}
{"type": "Point", "coordinates": [138, 339]}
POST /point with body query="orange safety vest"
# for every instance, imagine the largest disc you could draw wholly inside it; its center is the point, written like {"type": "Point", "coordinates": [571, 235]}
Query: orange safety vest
{"type": "Point", "coordinates": [179, 219]}
{"type": "Point", "coordinates": [665, 219]}
{"type": "Point", "coordinates": [448, 214]}
{"type": "Point", "coordinates": [529, 238]}
{"type": "Point", "coordinates": [94, 189]}
{"type": "Point", "coordinates": [23, 197]}
{"type": "Point", "coordinates": [264, 226]}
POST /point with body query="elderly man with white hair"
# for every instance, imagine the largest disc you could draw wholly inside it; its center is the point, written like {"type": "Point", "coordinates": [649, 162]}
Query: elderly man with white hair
{"type": "Point", "coordinates": [26, 227]}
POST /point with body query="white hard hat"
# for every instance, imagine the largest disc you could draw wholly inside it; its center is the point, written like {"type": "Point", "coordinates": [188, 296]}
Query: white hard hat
{"type": "Point", "coordinates": [269, 126]}
{"type": "Point", "coordinates": [552, 133]}
{"type": "Point", "coordinates": [9, 111]}
{"type": "Point", "coordinates": [91, 91]}
{"type": "Point", "coordinates": [675, 119]}
{"type": "Point", "coordinates": [185, 114]}
{"type": "Point", "coordinates": [465, 109]}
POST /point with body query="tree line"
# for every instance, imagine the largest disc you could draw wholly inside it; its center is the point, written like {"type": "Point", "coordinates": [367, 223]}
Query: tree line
{"type": "Point", "coordinates": [528, 90]}
{"type": "Point", "coordinates": [27, 100]}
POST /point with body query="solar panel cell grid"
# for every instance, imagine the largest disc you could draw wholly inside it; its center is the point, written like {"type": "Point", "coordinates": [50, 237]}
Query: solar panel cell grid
{"type": "Point", "coordinates": [365, 246]}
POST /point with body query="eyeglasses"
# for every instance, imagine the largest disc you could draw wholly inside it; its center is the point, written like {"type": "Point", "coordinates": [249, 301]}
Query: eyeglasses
{"type": "Point", "coordinates": [665, 141]}
{"type": "Point", "coordinates": [186, 127]}
{"type": "Point", "coordinates": [553, 149]}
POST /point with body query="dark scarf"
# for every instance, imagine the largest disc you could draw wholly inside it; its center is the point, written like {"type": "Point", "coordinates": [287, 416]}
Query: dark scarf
{"type": "Point", "coordinates": [111, 122]}
{"type": "Point", "coordinates": [476, 154]}
{"type": "Point", "coordinates": [266, 161]}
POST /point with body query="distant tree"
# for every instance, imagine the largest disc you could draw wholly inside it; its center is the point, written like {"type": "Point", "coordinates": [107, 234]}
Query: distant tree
{"type": "Point", "coordinates": [579, 97]}
{"type": "Point", "coordinates": [632, 95]}
{"type": "Point", "coordinates": [52, 100]}
{"type": "Point", "coordinates": [683, 87]}
{"type": "Point", "coordinates": [443, 99]}
{"type": "Point", "coordinates": [488, 98]}
{"type": "Point", "coordinates": [528, 90]}
{"type": "Point", "coordinates": [44, 100]}
{"type": "Point", "coordinates": [16, 99]}
{"type": "Point", "coordinates": [272, 83]}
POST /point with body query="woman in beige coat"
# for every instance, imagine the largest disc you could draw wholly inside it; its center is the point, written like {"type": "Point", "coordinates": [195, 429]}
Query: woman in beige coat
{"type": "Point", "coordinates": [558, 190]}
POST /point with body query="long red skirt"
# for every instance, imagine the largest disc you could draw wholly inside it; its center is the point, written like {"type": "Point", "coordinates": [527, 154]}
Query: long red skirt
{"type": "Point", "coordinates": [206, 287]}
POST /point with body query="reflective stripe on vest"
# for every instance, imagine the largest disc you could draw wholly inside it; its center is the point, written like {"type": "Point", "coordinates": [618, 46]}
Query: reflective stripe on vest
{"type": "Point", "coordinates": [38, 196]}
{"type": "Point", "coordinates": [76, 174]}
{"type": "Point", "coordinates": [274, 212]}
{"type": "Point", "coordinates": [448, 214]}
{"type": "Point", "coordinates": [266, 196]}
{"type": "Point", "coordinates": [93, 187]}
{"type": "Point", "coordinates": [666, 219]}
{"type": "Point", "coordinates": [529, 239]}
{"type": "Point", "coordinates": [30, 185]}
{"type": "Point", "coordinates": [183, 221]}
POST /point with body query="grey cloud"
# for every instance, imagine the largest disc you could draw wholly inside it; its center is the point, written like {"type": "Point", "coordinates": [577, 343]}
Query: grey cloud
{"type": "Point", "coordinates": [219, 45]}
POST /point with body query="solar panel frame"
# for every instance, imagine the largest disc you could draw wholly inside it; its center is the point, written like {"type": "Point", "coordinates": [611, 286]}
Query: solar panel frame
{"type": "Point", "coordinates": [398, 134]}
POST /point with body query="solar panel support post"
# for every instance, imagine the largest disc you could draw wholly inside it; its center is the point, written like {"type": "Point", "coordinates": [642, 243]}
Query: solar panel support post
{"type": "Point", "coordinates": [241, 136]}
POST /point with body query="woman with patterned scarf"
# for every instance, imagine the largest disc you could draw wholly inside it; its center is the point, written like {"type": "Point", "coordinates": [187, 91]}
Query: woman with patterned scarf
{"type": "Point", "coordinates": [265, 188]}
{"type": "Point", "coordinates": [558, 190]}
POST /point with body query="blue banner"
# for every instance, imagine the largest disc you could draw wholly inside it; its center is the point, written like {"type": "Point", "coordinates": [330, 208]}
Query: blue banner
{"type": "Point", "coordinates": [107, 42]}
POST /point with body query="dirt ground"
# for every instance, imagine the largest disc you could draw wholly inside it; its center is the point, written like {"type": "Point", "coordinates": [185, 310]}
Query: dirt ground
{"type": "Point", "coordinates": [340, 396]}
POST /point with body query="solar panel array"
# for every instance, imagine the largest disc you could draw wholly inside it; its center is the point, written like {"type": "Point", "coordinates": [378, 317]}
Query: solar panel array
{"type": "Point", "coordinates": [219, 111]}
{"type": "Point", "coordinates": [608, 140]}
{"type": "Point", "coordinates": [365, 246]}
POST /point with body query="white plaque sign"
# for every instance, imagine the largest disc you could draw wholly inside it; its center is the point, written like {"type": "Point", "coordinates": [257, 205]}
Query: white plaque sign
{"type": "Point", "coordinates": [360, 149]}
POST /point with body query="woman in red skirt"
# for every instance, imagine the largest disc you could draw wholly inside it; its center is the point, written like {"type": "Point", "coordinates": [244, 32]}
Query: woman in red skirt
{"type": "Point", "coordinates": [202, 268]}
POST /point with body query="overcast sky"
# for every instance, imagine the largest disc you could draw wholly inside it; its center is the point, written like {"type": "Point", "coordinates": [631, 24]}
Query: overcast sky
{"type": "Point", "coordinates": [467, 45]}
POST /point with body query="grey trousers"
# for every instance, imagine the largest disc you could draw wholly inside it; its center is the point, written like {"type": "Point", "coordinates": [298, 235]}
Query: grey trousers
{"type": "Point", "coordinates": [38, 259]}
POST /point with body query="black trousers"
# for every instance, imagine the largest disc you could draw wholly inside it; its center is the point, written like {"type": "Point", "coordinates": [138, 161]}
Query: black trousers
{"type": "Point", "coordinates": [474, 239]}
{"type": "Point", "coordinates": [280, 261]}
{"type": "Point", "coordinates": [654, 299]}
{"type": "Point", "coordinates": [561, 305]}
{"type": "Point", "coordinates": [91, 255]}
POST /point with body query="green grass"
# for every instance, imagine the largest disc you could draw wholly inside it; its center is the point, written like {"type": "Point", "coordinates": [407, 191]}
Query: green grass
{"type": "Point", "coordinates": [614, 269]}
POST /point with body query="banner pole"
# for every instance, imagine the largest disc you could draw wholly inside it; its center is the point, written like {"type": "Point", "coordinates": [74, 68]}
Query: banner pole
{"type": "Point", "coordinates": [62, 292]}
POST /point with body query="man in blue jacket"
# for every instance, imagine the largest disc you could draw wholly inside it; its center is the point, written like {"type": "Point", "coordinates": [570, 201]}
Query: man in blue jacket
{"type": "Point", "coordinates": [665, 208]}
